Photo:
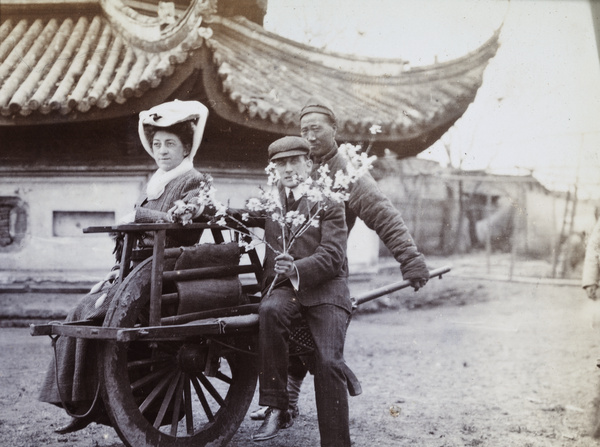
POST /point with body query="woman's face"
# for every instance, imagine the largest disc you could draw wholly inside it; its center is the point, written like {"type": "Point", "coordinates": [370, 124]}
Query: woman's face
{"type": "Point", "coordinates": [168, 150]}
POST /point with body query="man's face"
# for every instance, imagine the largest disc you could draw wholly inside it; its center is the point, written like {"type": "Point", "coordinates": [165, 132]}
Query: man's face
{"type": "Point", "coordinates": [319, 132]}
{"type": "Point", "coordinates": [293, 170]}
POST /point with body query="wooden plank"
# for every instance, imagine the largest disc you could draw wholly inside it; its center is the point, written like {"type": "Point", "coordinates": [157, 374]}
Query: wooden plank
{"type": "Point", "coordinates": [208, 272]}
{"type": "Point", "coordinates": [75, 330]}
{"type": "Point", "coordinates": [126, 255]}
{"type": "Point", "coordinates": [158, 263]}
{"type": "Point", "coordinates": [170, 333]}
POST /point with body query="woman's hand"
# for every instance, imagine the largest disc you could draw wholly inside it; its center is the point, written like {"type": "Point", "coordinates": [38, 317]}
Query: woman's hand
{"type": "Point", "coordinates": [184, 212]}
{"type": "Point", "coordinates": [284, 265]}
{"type": "Point", "coordinates": [110, 278]}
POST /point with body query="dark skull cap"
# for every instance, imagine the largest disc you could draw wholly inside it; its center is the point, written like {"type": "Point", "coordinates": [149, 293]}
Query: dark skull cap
{"type": "Point", "coordinates": [288, 147]}
{"type": "Point", "coordinates": [317, 105]}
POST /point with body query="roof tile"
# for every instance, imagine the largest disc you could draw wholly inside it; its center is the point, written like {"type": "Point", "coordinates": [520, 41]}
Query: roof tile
{"type": "Point", "coordinates": [67, 64]}
{"type": "Point", "coordinates": [54, 66]}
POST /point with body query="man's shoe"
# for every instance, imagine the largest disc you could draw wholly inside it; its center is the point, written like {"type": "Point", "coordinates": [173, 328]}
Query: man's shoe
{"type": "Point", "coordinates": [275, 419]}
{"type": "Point", "coordinates": [294, 411]}
{"type": "Point", "coordinates": [75, 424]}
{"type": "Point", "coordinates": [259, 415]}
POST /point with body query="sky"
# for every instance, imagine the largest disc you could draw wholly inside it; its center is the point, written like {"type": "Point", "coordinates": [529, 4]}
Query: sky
{"type": "Point", "coordinates": [538, 109]}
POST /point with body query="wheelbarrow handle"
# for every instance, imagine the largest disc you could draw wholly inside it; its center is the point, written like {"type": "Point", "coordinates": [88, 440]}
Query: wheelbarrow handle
{"type": "Point", "coordinates": [385, 290]}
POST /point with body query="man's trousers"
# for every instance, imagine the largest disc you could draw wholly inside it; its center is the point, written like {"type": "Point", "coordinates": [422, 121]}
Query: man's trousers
{"type": "Point", "coordinates": [327, 324]}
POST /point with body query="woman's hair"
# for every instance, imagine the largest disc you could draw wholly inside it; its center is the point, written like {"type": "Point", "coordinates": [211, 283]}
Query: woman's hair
{"type": "Point", "coordinates": [184, 130]}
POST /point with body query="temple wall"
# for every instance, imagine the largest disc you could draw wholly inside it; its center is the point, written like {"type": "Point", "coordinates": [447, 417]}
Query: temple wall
{"type": "Point", "coordinates": [49, 211]}
{"type": "Point", "coordinates": [56, 210]}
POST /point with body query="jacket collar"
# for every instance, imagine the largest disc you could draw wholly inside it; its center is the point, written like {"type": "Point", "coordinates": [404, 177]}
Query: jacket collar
{"type": "Point", "coordinates": [328, 156]}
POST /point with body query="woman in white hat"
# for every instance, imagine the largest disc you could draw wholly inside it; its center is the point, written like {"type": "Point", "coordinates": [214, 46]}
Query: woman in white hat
{"type": "Point", "coordinates": [171, 134]}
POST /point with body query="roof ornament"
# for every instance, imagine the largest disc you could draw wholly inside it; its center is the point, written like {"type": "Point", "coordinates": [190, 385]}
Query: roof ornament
{"type": "Point", "coordinates": [163, 32]}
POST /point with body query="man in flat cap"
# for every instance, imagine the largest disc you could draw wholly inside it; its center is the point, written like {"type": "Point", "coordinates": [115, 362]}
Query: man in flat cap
{"type": "Point", "coordinates": [318, 127]}
{"type": "Point", "coordinates": [314, 286]}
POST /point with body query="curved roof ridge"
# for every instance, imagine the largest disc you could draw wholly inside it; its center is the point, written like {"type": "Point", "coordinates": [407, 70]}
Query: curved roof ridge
{"type": "Point", "coordinates": [404, 104]}
{"type": "Point", "coordinates": [331, 59]}
{"type": "Point", "coordinates": [80, 67]}
{"type": "Point", "coordinates": [491, 45]}
{"type": "Point", "coordinates": [348, 63]}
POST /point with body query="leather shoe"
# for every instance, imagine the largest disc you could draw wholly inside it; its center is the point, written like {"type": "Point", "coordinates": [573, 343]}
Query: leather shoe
{"type": "Point", "coordinates": [259, 415]}
{"type": "Point", "coordinates": [294, 411]}
{"type": "Point", "coordinates": [275, 419]}
{"type": "Point", "coordinates": [75, 424]}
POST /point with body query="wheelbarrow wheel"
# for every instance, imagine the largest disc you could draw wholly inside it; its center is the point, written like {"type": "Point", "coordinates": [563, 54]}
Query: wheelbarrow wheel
{"type": "Point", "coordinates": [158, 394]}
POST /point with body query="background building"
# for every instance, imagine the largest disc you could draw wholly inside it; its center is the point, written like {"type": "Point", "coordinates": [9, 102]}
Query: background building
{"type": "Point", "coordinates": [74, 74]}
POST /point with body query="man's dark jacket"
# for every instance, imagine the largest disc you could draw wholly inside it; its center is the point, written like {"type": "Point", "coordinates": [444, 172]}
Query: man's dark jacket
{"type": "Point", "coordinates": [319, 254]}
{"type": "Point", "coordinates": [368, 203]}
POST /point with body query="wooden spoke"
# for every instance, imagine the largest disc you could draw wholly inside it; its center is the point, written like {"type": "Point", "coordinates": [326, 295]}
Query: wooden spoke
{"type": "Point", "coordinates": [150, 378]}
{"type": "Point", "coordinates": [202, 397]}
{"type": "Point", "coordinates": [223, 377]}
{"type": "Point", "coordinates": [146, 362]}
{"type": "Point", "coordinates": [167, 399]}
{"type": "Point", "coordinates": [156, 391]}
{"type": "Point", "coordinates": [211, 389]}
{"type": "Point", "coordinates": [177, 405]}
{"type": "Point", "coordinates": [150, 383]}
{"type": "Point", "coordinates": [187, 396]}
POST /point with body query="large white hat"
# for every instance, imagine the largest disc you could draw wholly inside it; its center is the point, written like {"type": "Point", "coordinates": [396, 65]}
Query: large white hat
{"type": "Point", "coordinates": [173, 112]}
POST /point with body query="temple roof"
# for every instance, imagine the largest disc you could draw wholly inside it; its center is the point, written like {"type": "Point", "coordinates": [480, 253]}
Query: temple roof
{"type": "Point", "coordinates": [58, 66]}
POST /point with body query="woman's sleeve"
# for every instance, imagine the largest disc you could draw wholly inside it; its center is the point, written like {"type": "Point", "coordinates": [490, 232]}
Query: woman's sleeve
{"type": "Point", "coordinates": [185, 190]}
{"type": "Point", "coordinates": [145, 215]}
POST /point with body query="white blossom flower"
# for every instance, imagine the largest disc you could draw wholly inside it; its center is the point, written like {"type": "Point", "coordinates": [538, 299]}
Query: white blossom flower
{"type": "Point", "coordinates": [221, 210]}
{"type": "Point", "coordinates": [324, 169]}
{"type": "Point", "coordinates": [272, 174]}
{"type": "Point", "coordinates": [295, 218]}
{"type": "Point", "coordinates": [342, 181]}
{"type": "Point", "coordinates": [299, 220]}
{"type": "Point", "coordinates": [314, 195]}
{"type": "Point", "coordinates": [253, 204]}
{"type": "Point", "coordinates": [248, 245]}
{"type": "Point", "coordinates": [375, 129]}
{"type": "Point", "coordinates": [321, 192]}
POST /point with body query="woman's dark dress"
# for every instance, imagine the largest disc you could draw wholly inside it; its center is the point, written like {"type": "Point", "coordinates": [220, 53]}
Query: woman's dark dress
{"type": "Point", "coordinates": [76, 357]}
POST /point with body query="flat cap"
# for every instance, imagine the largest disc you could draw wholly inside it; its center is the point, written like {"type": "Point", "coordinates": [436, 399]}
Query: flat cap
{"type": "Point", "coordinates": [317, 105]}
{"type": "Point", "coordinates": [288, 147]}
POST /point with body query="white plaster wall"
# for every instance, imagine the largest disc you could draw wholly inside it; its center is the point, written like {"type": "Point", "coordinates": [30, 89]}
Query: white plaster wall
{"type": "Point", "coordinates": [363, 243]}
{"type": "Point", "coordinates": [40, 249]}
{"type": "Point", "coordinates": [363, 249]}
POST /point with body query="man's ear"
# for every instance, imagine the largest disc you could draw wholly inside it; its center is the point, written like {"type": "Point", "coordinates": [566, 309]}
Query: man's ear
{"type": "Point", "coordinates": [309, 163]}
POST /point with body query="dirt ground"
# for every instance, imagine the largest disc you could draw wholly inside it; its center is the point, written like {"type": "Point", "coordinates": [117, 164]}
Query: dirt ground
{"type": "Point", "coordinates": [464, 362]}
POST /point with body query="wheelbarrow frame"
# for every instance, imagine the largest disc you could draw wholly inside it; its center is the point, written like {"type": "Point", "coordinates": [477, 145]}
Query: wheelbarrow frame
{"type": "Point", "coordinates": [219, 330]}
{"type": "Point", "coordinates": [157, 330]}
